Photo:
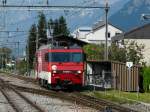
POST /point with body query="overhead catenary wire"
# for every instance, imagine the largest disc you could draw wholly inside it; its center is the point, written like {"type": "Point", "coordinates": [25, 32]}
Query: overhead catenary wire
{"type": "Point", "coordinates": [50, 7]}
{"type": "Point", "coordinates": [23, 34]}
{"type": "Point", "coordinates": [53, 6]}
{"type": "Point", "coordinates": [65, 11]}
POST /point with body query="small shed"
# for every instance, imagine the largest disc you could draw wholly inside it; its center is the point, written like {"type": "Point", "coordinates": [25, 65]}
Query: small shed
{"type": "Point", "coordinates": [111, 74]}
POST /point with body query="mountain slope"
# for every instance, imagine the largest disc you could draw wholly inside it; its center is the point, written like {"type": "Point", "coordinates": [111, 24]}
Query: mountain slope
{"type": "Point", "coordinates": [129, 16]}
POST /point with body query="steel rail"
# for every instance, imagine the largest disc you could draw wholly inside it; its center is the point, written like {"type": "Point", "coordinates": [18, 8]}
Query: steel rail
{"type": "Point", "coordinates": [79, 98]}
{"type": "Point", "coordinates": [115, 107]}
{"type": "Point", "coordinates": [15, 107]}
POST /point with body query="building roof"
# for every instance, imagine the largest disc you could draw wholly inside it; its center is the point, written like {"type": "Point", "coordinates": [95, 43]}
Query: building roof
{"type": "Point", "coordinates": [117, 37]}
{"type": "Point", "coordinates": [142, 32]}
{"type": "Point", "coordinates": [98, 25]}
{"type": "Point", "coordinates": [68, 40]}
{"type": "Point", "coordinates": [101, 24]}
{"type": "Point", "coordinates": [85, 28]}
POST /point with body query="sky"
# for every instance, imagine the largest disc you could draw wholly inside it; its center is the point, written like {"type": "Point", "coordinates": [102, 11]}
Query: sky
{"type": "Point", "coordinates": [23, 15]}
{"type": "Point", "coordinates": [22, 20]}
{"type": "Point", "coordinates": [14, 17]}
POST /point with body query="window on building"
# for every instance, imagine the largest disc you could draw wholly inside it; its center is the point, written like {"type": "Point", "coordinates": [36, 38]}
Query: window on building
{"type": "Point", "coordinates": [122, 42]}
{"type": "Point", "coordinates": [117, 33]}
{"type": "Point", "coordinates": [109, 34]}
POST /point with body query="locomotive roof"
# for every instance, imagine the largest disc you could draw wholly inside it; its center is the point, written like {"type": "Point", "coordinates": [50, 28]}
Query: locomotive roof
{"type": "Point", "coordinates": [49, 46]}
{"type": "Point", "coordinates": [63, 42]}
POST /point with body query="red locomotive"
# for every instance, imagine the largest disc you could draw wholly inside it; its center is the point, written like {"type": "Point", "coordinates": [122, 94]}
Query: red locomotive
{"type": "Point", "coordinates": [60, 67]}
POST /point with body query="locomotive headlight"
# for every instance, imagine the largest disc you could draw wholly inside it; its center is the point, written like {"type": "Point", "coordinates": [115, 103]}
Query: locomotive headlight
{"type": "Point", "coordinates": [54, 67]}
{"type": "Point", "coordinates": [79, 71]}
{"type": "Point", "coordinates": [54, 71]}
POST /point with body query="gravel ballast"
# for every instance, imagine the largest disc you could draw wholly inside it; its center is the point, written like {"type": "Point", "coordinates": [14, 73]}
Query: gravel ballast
{"type": "Point", "coordinates": [56, 105]}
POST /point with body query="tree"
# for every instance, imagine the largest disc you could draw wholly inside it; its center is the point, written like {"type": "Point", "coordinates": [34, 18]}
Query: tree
{"type": "Point", "coordinates": [134, 51]}
{"type": "Point", "coordinates": [146, 79]}
{"type": "Point", "coordinates": [63, 26]}
{"type": "Point", "coordinates": [21, 66]}
{"type": "Point", "coordinates": [131, 51]}
{"type": "Point", "coordinates": [42, 28]}
{"type": "Point", "coordinates": [5, 55]}
{"type": "Point", "coordinates": [56, 28]}
{"type": "Point", "coordinates": [59, 26]}
{"type": "Point", "coordinates": [32, 44]}
{"type": "Point", "coordinates": [94, 52]}
{"type": "Point", "coordinates": [117, 54]}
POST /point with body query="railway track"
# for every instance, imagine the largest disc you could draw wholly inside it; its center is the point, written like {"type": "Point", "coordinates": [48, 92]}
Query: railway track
{"type": "Point", "coordinates": [12, 95]}
{"type": "Point", "coordinates": [78, 98]}
{"type": "Point", "coordinates": [99, 104]}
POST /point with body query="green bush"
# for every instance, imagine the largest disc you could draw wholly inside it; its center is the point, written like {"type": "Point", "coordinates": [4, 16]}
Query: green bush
{"type": "Point", "coordinates": [146, 79]}
{"type": "Point", "coordinates": [21, 67]}
{"type": "Point", "coordinates": [94, 52]}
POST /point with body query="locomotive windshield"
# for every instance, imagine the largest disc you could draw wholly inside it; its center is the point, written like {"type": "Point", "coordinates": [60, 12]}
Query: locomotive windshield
{"type": "Point", "coordinates": [65, 57]}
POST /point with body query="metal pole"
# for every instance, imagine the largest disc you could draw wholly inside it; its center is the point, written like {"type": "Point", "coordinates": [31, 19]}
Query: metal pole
{"type": "Point", "coordinates": [18, 48]}
{"type": "Point", "coordinates": [37, 41]}
{"type": "Point", "coordinates": [106, 33]}
{"type": "Point", "coordinates": [37, 46]}
{"type": "Point", "coordinates": [138, 88]}
{"type": "Point", "coordinates": [27, 56]}
{"type": "Point", "coordinates": [2, 58]}
{"type": "Point", "coordinates": [51, 32]}
{"type": "Point", "coordinates": [15, 68]}
{"type": "Point", "coordinates": [129, 89]}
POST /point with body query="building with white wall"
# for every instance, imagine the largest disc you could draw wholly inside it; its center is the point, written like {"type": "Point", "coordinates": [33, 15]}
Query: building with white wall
{"type": "Point", "coordinates": [81, 33]}
{"type": "Point", "coordinates": [96, 34]}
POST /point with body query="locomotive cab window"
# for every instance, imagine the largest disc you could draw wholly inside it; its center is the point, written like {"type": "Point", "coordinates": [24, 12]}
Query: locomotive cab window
{"type": "Point", "coordinates": [60, 57]}
{"type": "Point", "coordinates": [64, 57]}
{"type": "Point", "coordinates": [76, 57]}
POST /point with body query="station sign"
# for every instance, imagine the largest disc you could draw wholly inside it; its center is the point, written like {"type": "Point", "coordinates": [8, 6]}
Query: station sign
{"type": "Point", "coordinates": [129, 64]}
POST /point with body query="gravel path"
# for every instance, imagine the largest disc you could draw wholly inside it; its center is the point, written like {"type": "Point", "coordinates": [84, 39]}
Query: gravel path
{"type": "Point", "coordinates": [57, 105]}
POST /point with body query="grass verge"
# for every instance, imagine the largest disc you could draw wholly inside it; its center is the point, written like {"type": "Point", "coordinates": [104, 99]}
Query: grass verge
{"type": "Point", "coordinates": [120, 97]}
